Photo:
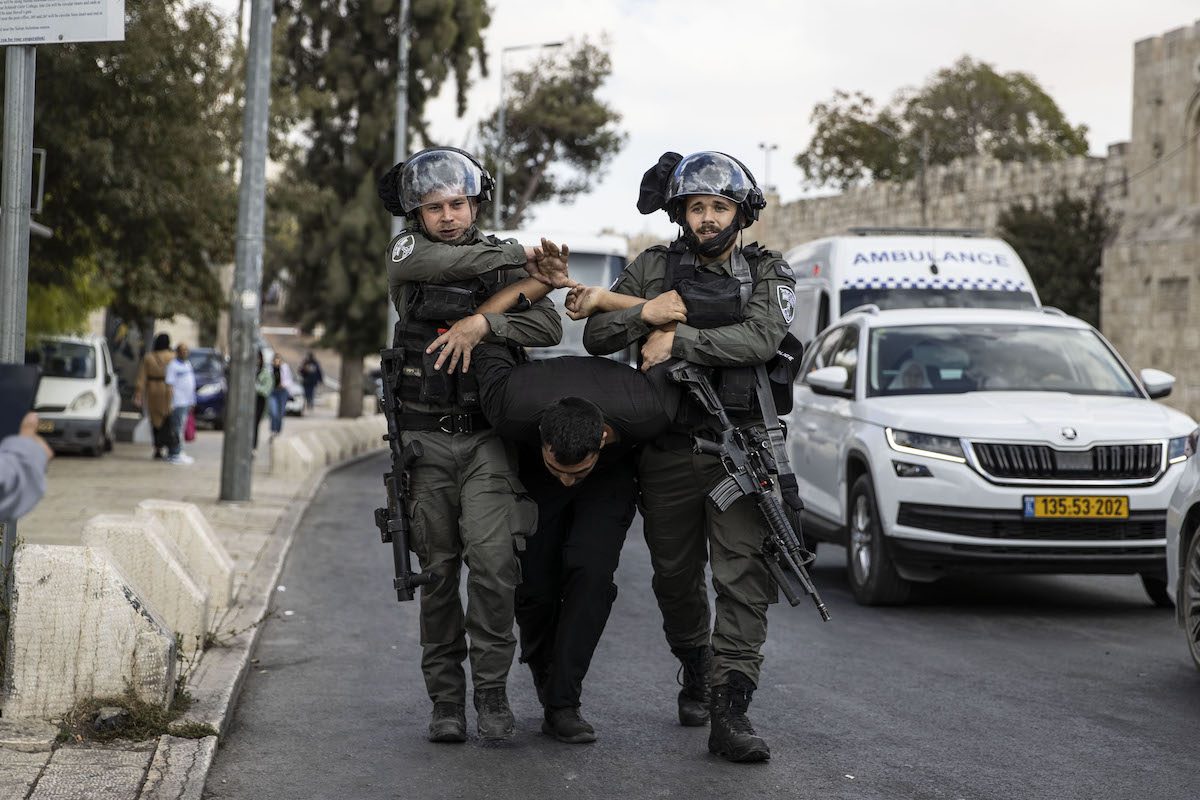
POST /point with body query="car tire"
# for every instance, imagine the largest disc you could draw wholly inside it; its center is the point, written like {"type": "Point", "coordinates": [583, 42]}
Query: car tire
{"type": "Point", "coordinates": [1188, 595]}
{"type": "Point", "coordinates": [218, 424]}
{"type": "Point", "coordinates": [108, 443]}
{"type": "Point", "coordinates": [1156, 590]}
{"type": "Point", "coordinates": [869, 568]}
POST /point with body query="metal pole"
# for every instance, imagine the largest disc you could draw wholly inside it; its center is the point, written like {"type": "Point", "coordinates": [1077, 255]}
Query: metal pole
{"type": "Point", "coordinates": [16, 187]}
{"type": "Point", "coordinates": [247, 278]}
{"type": "Point", "coordinates": [401, 151]}
{"type": "Point", "coordinates": [923, 188]}
{"type": "Point", "coordinates": [501, 154]}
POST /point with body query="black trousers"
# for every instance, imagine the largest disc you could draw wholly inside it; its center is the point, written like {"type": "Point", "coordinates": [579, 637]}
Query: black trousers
{"type": "Point", "coordinates": [567, 568]}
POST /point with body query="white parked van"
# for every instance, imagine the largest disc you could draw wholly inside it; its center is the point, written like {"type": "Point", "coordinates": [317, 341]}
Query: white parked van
{"type": "Point", "coordinates": [77, 400]}
{"type": "Point", "coordinates": [904, 268]}
{"type": "Point", "coordinates": [594, 261]}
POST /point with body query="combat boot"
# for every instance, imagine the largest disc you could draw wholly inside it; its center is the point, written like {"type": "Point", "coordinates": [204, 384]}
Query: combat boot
{"type": "Point", "coordinates": [568, 725]}
{"type": "Point", "coordinates": [448, 723]}
{"type": "Point", "coordinates": [693, 677]}
{"type": "Point", "coordinates": [732, 736]}
{"type": "Point", "coordinates": [495, 717]}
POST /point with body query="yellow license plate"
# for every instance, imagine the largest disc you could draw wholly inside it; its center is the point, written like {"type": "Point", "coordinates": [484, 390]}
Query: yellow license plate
{"type": "Point", "coordinates": [45, 426]}
{"type": "Point", "coordinates": [1059, 506]}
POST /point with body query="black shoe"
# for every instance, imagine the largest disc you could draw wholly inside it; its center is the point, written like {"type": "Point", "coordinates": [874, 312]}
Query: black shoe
{"type": "Point", "coordinates": [693, 677]}
{"type": "Point", "coordinates": [495, 716]}
{"type": "Point", "coordinates": [567, 725]}
{"type": "Point", "coordinates": [732, 736]}
{"type": "Point", "coordinates": [158, 455]}
{"type": "Point", "coordinates": [448, 723]}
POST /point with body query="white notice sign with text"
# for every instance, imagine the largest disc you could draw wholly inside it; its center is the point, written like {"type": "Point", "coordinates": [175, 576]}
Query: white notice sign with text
{"type": "Point", "coordinates": [61, 21]}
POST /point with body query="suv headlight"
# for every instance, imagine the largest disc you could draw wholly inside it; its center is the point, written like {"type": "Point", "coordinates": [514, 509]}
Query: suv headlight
{"type": "Point", "coordinates": [1181, 448]}
{"type": "Point", "coordinates": [946, 448]}
{"type": "Point", "coordinates": [208, 390]}
{"type": "Point", "coordinates": [84, 401]}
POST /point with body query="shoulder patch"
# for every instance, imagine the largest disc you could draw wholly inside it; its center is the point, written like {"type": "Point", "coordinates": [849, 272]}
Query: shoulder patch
{"type": "Point", "coordinates": [403, 248]}
{"type": "Point", "coordinates": [784, 270]}
{"type": "Point", "coordinates": [787, 303]}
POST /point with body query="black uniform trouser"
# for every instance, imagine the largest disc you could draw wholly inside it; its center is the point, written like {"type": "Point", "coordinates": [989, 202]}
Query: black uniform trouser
{"type": "Point", "coordinates": [567, 587]}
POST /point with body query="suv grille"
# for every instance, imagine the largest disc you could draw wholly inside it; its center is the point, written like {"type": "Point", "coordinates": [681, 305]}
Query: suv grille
{"type": "Point", "coordinates": [1041, 462]}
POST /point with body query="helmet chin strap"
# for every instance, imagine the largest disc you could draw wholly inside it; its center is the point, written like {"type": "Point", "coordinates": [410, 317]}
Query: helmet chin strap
{"type": "Point", "coordinates": [714, 246]}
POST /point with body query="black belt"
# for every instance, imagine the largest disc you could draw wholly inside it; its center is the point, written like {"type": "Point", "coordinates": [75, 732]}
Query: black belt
{"type": "Point", "coordinates": [446, 423]}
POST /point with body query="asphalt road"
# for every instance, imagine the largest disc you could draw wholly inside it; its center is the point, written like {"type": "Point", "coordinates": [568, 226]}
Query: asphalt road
{"type": "Point", "coordinates": [1006, 688]}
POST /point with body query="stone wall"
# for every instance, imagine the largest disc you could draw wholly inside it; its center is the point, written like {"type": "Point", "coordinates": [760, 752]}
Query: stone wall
{"type": "Point", "coordinates": [966, 194]}
{"type": "Point", "coordinates": [1151, 274]}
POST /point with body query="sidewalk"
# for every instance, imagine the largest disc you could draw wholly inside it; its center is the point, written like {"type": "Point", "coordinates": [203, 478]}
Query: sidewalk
{"type": "Point", "coordinates": [256, 535]}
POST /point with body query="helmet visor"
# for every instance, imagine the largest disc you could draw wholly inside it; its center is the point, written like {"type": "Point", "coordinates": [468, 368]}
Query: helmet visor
{"type": "Point", "coordinates": [437, 175]}
{"type": "Point", "coordinates": [709, 173]}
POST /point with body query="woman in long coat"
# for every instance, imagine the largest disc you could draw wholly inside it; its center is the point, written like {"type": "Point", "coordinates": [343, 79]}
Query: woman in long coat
{"type": "Point", "coordinates": [153, 390]}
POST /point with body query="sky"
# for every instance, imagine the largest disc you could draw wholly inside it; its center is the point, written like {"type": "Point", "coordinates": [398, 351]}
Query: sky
{"type": "Point", "coordinates": [694, 75]}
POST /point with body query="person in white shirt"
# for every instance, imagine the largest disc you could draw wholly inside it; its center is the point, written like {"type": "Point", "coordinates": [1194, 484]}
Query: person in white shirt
{"type": "Point", "coordinates": [182, 381]}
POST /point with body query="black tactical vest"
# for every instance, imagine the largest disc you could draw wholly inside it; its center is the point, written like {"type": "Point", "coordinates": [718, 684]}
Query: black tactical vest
{"type": "Point", "coordinates": [431, 309]}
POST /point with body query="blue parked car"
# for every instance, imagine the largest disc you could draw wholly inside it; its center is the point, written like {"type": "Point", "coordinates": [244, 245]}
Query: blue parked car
{"type": "Point", "coordinates": [211, 385]}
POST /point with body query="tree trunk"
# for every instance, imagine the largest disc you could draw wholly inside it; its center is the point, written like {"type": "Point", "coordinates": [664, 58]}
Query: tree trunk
{"type": "Point", "coordinates": [350, 403]}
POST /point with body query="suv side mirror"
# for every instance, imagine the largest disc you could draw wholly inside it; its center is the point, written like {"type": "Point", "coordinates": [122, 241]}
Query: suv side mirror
{"type": "Point", "coordinates": [829, 380]}
{"type": "Point", "coordinates": [1158, 383]}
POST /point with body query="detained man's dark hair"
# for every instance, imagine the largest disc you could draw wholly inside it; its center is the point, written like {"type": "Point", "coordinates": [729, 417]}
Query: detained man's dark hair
{"type": "Point", "coordinates": [572, 428]}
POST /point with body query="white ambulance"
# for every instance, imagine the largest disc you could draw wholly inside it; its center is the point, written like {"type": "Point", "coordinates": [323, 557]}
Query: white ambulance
{"type": "Point", "coordinates": [904, 268]}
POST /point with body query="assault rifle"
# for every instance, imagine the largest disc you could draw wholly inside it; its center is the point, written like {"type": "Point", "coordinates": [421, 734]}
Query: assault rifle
{"type": "Point", "coordinates": [749, 474]}
{"type": "Point", "coordinates": [392, 521]}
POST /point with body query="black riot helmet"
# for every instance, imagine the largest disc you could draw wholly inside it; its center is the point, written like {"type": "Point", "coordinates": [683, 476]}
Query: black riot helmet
{"type": "Point", "coordinates": [710, 172]}
{"type": "Point", "coordinates": [431, 175]}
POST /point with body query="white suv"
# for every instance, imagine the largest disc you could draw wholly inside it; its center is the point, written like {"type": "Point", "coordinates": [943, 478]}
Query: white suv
{"type": "Point", "coordinates": [937, 440]}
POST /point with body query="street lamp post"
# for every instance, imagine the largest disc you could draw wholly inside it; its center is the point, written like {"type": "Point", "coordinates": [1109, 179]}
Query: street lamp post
{"type": "Point", "coordinates": [767, 148]}
{"type": "Point", "coordinates": [502, 152]}
{"type": "Point", "coordinates": [401, 145]}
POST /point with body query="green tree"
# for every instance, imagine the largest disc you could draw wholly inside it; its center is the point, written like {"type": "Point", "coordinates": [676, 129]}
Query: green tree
{"type": "Point", "coordinates": [1062, 245]}
{"type": "Point", "coordinates": [963, 110]}
{"type": "Point", "coordinates": [339, 65]}
{"type": "Point", "coordinates": [139, 189]}
{"type": "Point", "coordinates": [560, 135]}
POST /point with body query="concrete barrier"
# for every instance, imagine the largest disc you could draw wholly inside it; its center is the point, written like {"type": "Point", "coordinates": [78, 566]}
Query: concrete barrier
{"type": "Point", "coordinates": [297, 455]}
{"type": "Point", "coordinates": [204, 557]}
{"type": "Point", "coordinates": [293, 456]}
{"type": "Point", "coordinates": [153, 564]}
{"type": "Point", "coordinates": [79, 630]}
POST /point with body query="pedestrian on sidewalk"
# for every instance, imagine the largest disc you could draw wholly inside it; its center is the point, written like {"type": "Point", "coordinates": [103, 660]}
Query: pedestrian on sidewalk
{"type": "Point", "coordinates": [23, 459]}
{"type": "Point", "coordinates": [264, 382]}
{"type": "Point", "coordinates": [153, 393]}
{"type": "Point", "coordinates": [182, 380]}
{"type": "Point", "coordinates": [281, 375]}
{"type": "Point", "coordinates": [311, 376]}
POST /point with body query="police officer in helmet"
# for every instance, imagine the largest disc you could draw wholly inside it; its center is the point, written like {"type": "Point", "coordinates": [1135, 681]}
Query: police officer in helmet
{"type": "Point", "coordinates": [738, 302]}
{"type": "Point", "coordinates": [465, 502]}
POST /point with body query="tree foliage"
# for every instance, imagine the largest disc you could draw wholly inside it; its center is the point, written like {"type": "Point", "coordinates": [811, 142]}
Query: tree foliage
{"type": "Point", "coordinates": [1062, 245]}
{"type": "Point", "coordinates": [560, 135]}
{"type": "Point", "coordinates": [339, 67]}
{"type": "Point", "coordinates": [139, 187]}
{"type": "Point", "coordinates": [963, 110]}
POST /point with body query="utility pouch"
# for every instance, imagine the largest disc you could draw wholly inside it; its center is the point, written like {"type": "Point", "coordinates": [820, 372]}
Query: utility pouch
{"type": "Point", "coordinates": [468, 391]}
{"type": "Point", "coordinates": [437, 387]}
{"type": "Point", "coordinates": [443, 303]}
{"type": "Point", "coordinates": [712, 303]}
{"type": "Point", "coordinates": [736, 388]}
